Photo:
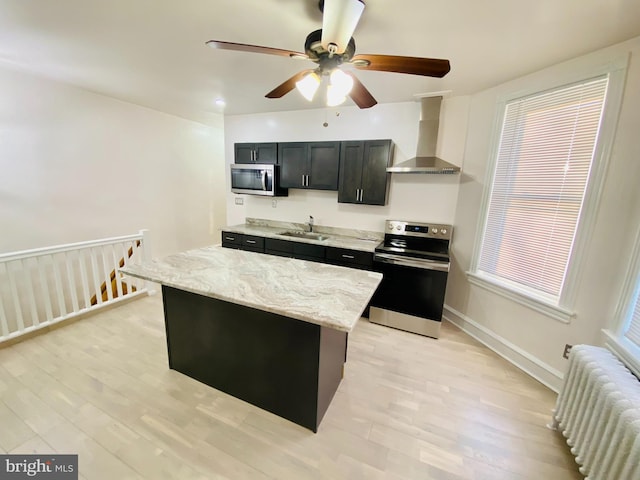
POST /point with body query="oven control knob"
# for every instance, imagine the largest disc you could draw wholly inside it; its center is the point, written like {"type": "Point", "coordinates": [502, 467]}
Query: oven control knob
{"type": "Point", "coordinates": [434, 230]}
{"type": "Point", "coordinates": [398, 227]}
{"type": "Point", "coordinates": [443, 231]}
{"type": "Point", "coordinates": [390, 226]}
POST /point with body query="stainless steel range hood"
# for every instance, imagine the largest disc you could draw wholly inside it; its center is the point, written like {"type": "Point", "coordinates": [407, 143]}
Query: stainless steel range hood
{"type": "Point", "coordinates": [425, 160]}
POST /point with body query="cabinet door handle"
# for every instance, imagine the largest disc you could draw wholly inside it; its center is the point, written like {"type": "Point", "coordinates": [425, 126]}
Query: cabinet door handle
{"type": "Point", "coordinates": [307, 180]}
{"type": "Point", "coordinates": [361, 194]}
{"type": "Point", "coordinates": [230, 238]}
{"type": "Point", "coordinates": [350, 257]}
{"type": "Point", "coordinates": [251, 241]}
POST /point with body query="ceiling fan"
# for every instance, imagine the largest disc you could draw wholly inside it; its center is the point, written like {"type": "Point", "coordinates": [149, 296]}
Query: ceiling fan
{"type": "Point", "coordinates": [333, 46]}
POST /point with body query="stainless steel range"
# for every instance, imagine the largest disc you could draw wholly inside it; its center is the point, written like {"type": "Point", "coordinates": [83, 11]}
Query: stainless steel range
{"type": "Point", "coordinates": [414, 261]}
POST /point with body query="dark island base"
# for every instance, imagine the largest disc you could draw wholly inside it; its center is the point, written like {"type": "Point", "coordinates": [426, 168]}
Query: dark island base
{"type": "Point", "coordinates": [286, 366]}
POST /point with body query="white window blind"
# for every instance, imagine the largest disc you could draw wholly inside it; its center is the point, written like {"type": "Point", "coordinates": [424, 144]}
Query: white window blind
{"type": "Point", "coordinates": [544, 157]}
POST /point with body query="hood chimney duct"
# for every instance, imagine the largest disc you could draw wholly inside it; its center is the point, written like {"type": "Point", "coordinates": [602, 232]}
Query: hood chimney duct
{"type": "Point", "coordinates": [425, 160]}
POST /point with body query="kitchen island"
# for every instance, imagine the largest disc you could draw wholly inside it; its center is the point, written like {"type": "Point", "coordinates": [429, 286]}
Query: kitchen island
{"type": "Point", "coordinates": [269, 330]}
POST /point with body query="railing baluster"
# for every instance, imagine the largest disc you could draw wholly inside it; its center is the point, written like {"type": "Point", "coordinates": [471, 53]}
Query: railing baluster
{"type": "Point", "coordinates": [15, 298]}
{"type": "Point", "coordinates": [86, 296]}
{"type": "Point", "coordinates": [30, 293]}
{"type": "Point", "coordinates": [127, 260]}
{"type": "Point", "coordinates": [135, 259]}
{"type": "Point", "coordinates": [69, 256]}
{"type": "Point", "coordinates": [145, 255]}
{"type": "Point", "coordinates": [3, 316]}
{"type": "Point", "coordinates": [48, 309]}
{"type": "Point", "coordinates": [116, 265]}
{"type": "Point", "coordinates": [96, 277]}
{"type": "Point", "coordinates": [107, 273]}
{"type": "Point", "coordinates": [58, 287]}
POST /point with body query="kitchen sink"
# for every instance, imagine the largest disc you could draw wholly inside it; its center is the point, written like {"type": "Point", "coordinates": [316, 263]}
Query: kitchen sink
{"type": "Point", "coordinates": [301, 234]}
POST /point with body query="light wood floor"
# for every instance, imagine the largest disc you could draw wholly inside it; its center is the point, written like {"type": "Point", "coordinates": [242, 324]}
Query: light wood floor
{"type": "Point", "coordinates": [408, 408]}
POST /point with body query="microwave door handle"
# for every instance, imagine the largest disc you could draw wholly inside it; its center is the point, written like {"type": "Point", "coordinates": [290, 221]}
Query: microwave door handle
{"type": "Point", "coordinates": [264, 180]}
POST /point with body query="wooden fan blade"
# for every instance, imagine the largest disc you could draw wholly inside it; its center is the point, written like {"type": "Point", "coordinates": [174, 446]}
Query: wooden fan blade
{"type": "Point", "coordinates": [339, 21]}
{"type": "Point", "coordinates": [428, 67]}
{"type": "Point", "coordinates": [242, 47]}
{"type": "Point", "coordinates": [360, 95]}
{"type": "Point", "coordinates": [287, 85]}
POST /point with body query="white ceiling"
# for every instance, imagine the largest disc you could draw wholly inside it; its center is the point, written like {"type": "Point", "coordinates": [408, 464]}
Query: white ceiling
{"type": "Point", "coordinates": [153, 53]}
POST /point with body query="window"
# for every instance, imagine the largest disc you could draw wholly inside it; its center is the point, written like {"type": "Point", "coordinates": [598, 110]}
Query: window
{"type": "Point", "coordinates": [632, 330]}
{"type": "Point", "coordinates": [625, 340]}
{"type": "Point", "coordinates": [542, 164]}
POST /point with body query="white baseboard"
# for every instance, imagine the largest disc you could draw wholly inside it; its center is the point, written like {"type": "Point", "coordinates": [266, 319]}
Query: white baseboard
{"type": "Point", "coordinates": [526, 362]}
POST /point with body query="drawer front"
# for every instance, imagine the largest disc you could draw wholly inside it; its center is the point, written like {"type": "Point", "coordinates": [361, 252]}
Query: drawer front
{"type": "Point", "coordinates": [307, 251]}
{"type": "Point", "coordinates": [276, 245]}
{"type": "Point", "coordinates": [350, 258]}
{"type": "Point", "coordinates": [253, 243]}
{"type": "Point", "coordinates": [232, 240]}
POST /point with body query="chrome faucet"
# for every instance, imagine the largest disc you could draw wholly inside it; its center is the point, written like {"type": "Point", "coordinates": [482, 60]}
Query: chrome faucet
{"type": "Point", "coordinates": [310, 224]}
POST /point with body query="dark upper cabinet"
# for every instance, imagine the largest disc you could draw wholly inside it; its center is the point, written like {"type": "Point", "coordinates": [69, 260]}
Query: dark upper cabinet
{"type": "Point", "coordinates": [363, 171]}
{"type": "Point", "coordinates": [256, 153]}
{"type": "Point", "coordinates": [293, 161]}
{"type": "Point", "coordinates": [311, 165]}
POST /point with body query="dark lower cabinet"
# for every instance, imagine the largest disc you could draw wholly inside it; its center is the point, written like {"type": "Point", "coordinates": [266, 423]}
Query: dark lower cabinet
{"type": "Point", "coordinates": [299, 250]}
{"type": "Point", "coordinates": [350, 258]}
{"type": "Point", "coordinates": [232, 240]}
{"type": "Point", "coordinates": [239, 241]}
{"type": "Point", "coordinates": [363, 172]}
{"type": "Point", "coordinates": [253, 243]}
{"type": "Point", "coordinates": [309, 165]}
{"type": "Point", "coordinates": [281, 248]}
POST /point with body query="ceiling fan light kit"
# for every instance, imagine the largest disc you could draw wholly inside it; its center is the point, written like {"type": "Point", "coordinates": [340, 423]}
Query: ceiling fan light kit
{"type": "Point", "coordinates": [308, 86]}
{"type": "Point", "coordinates": [330, 48]}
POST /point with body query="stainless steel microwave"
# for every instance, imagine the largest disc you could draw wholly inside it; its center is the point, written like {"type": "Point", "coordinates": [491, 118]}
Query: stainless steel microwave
{"type": "Point", "coordinates": [256, 179]}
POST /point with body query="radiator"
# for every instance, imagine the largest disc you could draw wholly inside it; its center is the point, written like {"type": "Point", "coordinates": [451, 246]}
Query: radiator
{"type": "Point", "coordinates": [598, 412]}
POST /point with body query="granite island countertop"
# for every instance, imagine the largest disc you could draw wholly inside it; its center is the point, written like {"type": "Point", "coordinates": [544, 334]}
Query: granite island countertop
{"type": "Point", "coordinates": [362, 240]}
{"type": "Point", "coordinates": [318, 293]}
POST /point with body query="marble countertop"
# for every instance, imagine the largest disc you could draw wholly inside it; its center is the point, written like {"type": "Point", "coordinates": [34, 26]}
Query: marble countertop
{"type": "Point", "coordinates": [362, 240]}
{"type": "Point", "coordinates": [319, 293]}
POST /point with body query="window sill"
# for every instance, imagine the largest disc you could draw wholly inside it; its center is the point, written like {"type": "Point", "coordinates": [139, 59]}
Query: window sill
{"type": "Point", "coordinates": [539, 305]}
{"type": "Point", "coordinates": [626, 351]}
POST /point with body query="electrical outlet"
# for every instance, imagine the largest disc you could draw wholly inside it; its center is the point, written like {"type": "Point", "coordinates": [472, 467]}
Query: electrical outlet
{"type": "Point", "coordinates": [567, 349]}
{"type": "Point", "coordinates": [274, 203]}
{"type": "Point", "coordinates": [239, 201]}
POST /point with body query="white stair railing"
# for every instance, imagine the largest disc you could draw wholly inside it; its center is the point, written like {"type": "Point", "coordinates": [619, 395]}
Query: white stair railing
{"type": "Point", "coordinates": [44, 286]}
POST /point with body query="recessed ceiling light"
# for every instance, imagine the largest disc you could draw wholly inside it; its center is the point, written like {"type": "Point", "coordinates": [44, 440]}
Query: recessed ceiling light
{"type": "Point", "coordinates": [220, 102]}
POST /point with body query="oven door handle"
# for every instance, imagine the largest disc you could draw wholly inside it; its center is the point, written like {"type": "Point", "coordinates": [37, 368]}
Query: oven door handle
{"type": "Point", "coordinates": [408, 262]}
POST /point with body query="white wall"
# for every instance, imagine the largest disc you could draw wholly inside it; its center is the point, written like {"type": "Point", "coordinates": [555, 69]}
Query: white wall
{"type": "Point", "coordinates": [529, 338]}
{"type": "Point", "coordinates": [430, 198]}
{"type": "Point", "coordinates": [78, 166]}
